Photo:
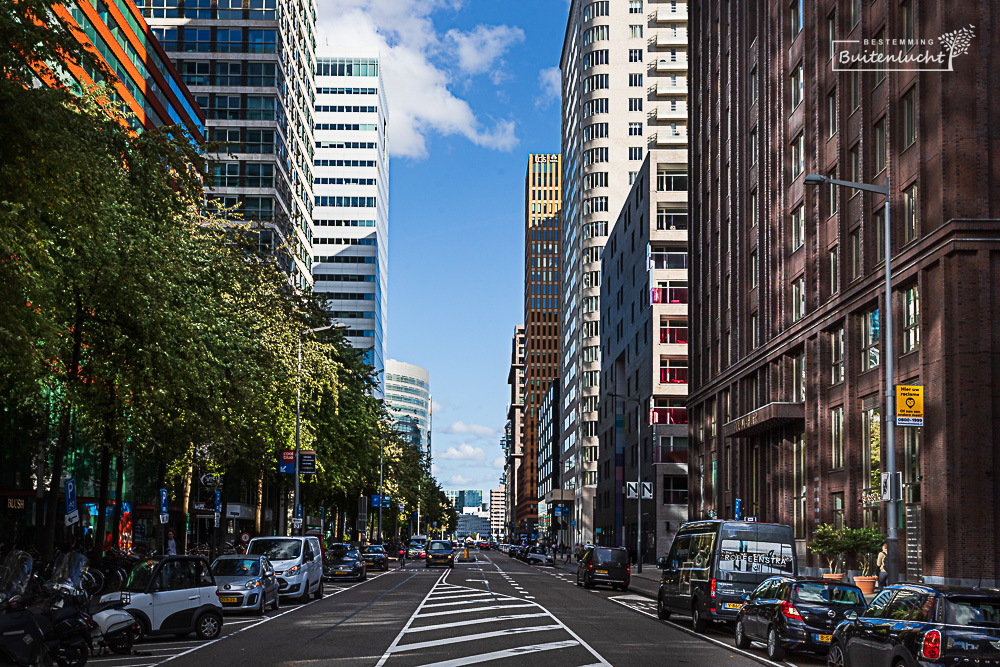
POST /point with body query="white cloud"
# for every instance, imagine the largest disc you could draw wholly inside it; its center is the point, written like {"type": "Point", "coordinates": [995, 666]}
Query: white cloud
{"type": "Point", "coordinates": [481, 50]}
{"type": "Point", "coordinates": [550, 87]}
{"type": "Point", "coordinates": [461, 480]}
{"type": "Point", "coordinates": [498, 462]}
{"type": "Point", "coordinates": [418, 88]}
{"type": "Point", "coordinates": [463, 452]}
{"type": "Point", "coordinates": [474, 429]}
{"type": "Point", "coordinates": [437, 408]}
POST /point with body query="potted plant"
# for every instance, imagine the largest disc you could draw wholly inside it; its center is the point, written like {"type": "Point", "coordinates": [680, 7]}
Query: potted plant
{"type": "Point", "coordinates": [828, 542]}
{"type": "Point", "coordinates": [865, 543]}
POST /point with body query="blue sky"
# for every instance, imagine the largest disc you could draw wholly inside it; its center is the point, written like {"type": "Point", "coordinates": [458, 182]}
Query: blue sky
{"type": "Point", "coordinates": [472, 88]}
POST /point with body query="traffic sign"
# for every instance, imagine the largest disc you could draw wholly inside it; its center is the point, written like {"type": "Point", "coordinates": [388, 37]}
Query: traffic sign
{"type": "Point", "coordinates": [163, 501]}
{"type": "Point", "coordinates": [909, 405]}
{"type": "Point", "coordinates": [307, 462]}
{"type": "Point", "coordinates": [889, 490]}
{"type": "Point", "coordinates": [164, 518]}
{"type": "Point", "coordinates": [218, 502]}
{"type": "Point", "coordinates": [244, 537]}
{"type": "Point", "coordinates": [376, 501]}
{"type": "Point", "coordinates": [296, 522]}
{"type": "Point", "coordinates": [739, 507]}
{"type": "Point", "coordinates": [216, 519]}
{"type": "Point", "coordinates": [72, 515]}
{"type": "Point", "coordinates": [401, 507]}
{"type": "Point", "coordinates": [647, 490]}
{"type": "Point", "coordinates": [631, 490]}
{"type": "Point", "coordinates": [286, 462]}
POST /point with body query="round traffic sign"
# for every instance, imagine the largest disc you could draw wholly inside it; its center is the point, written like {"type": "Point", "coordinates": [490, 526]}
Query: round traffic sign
{"type": "Point", "coordinates": [288, 456]}
{"type": "Point", "coordinates": [244, 537]}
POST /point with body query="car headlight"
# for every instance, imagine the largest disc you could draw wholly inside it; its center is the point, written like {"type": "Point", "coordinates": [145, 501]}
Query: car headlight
{"type": "Point", "coordinates": [293, 570]}
{"type": "Point", "coordinates": [255, 583]}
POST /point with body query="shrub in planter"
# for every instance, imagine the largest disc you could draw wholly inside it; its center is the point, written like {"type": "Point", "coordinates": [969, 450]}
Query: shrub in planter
{"type": "Point", "coordinates": [828, 542]}
{"type": "Point", "coordinates": [865, 543]}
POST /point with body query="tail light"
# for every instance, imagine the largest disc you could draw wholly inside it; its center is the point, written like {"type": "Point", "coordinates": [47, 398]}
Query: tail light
{"type": "Point", "coordinates": [788, 610]}
{"type": "Point", "coordinates": [628, 568]}
{"type": "Point", "coordinates": [590, 565]}
{"type": "Point", "coordinates": [715, 583]}
{"type": "Point", "coordinates": [932, 645]}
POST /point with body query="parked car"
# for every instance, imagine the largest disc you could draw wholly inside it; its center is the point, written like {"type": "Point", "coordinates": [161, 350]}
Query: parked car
{"type": "Point", "coordinates": [172, 595]}
{"type": "Point", "coordinates": [245, 583]}
{"type": "Point", "coordinates": [712, 564]}
{"type": "Point", "coordinates": [604, 565]}
{"type": "Point", "coordinates": [375, 557]}
{"type": "Point", "coordinates": [297, 561]}
{"type": "Point", "coordinates": [911, 624]}
{"type": "Point", "coordinates": [538, 555]}
{"type": "Point", "coordinates": [416, 550]}
{"type": "Point", "coordinates": [795, 613]}
{"type": "Point", "coordinates": [344, 562]}
{"type": "Point", "coordinates": [439, 552]}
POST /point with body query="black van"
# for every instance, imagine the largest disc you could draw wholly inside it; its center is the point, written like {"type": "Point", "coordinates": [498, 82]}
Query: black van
{"type": "Point", "coordinates": [713, 563]}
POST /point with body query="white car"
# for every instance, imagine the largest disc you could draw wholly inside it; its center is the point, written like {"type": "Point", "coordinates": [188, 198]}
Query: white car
{"type": "Point", "coordinates": [297, 562]}
{"type": "Point", "coordinates": [172, 595]}
{"type": "Point", "coordinates": [538, 555]}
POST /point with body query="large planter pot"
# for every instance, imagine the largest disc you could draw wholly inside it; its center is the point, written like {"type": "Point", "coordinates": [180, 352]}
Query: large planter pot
{"type": "Point", "coordinates": [866, 584]}
{"type": "Point", "coordinates": [836, 576]}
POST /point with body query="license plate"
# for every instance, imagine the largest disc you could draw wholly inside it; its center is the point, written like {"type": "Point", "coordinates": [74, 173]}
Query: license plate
{"type": "Point", "coordinates": [343, 571]}
{"type": "Point", "coordinates": [823, 639]}
{"type": "Point", "coordinates": [732, 605]}
{"type": "Point", "coordinates": [232, 600]}
{"type": "Point", "coordinates": [602, 571]}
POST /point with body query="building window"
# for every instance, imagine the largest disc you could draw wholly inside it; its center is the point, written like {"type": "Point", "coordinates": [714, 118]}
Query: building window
{"type": "Point", "coordinates": [873, 447]}
{"type": "Point", "coordinates": [855, 12]}
{"type": "Point", "coordinates": [798, 487]}
{"type": "Point", "coordinates": [796, 17]}
{"type": "Point", "coordinates": [635, 104]}
{"type": "Point", "coordinates": [798, 227]}
{"type": "Point", "coordinates": [880, 53]}
{"type": "Point", "coordinates": [632, 175]}
{"type": "Point", "coordinates": [798, 298]}
{"type": "Point", "coordinates": [752, 87]}
{"type": "Point", "coordinates": [870, 336]}
{"type": "Point", "coordinates": [837, 356]}
{"type": "Point", "coordinates": [635, 55]}
{"type": "Point", "coordinates": [753, 209]}
{"type": "Point", "coordinates": [635, 153]}
{"type": "Point", "coordinates": [855, 81]}
{"type": "Point", "coordinates": [837, 500]}
{"type": "Point", "coordinates": [635, 129]}
{"type": "Point", "coordinates": [635, 31]}
{"type": "Point", "coordinates": [910, 213]}
{"type": "Point", "coordinates": [911, 465]}
{"type": "Point", "coordinates": [635, 6]}
{"type": "Point", "coordinates": [909, 31]}
{"type": "Point", "coordinates": [837, 437]}
{"type": "Point", "coordinates": [752, 146]}
{"type": "Point", "coordinates": [909, 118]}
{"type": "Point", "coordinates": [911, 319]}
{"type": "Point", "coordinates": [832, 190]}
{"type": "Point", "coordinates": [854, 165]}
{"type": "Point", "coordinates": [798, 83]}
{"type": "Point", "coordinates": [856, 254]}
{"type": "Point", "coordinates": [753, 269]}
{"type": "Point", "coordinates": [878, 226]}
{"type": "Point", "coordinates": [831, 36]}
{"type": "Point", "coordinates": [754, 339]}
{"type": "Point", "coordinates": [799, 378]}
{"type": "Point", "coordinates": [831, 112]}
{"type": "Point", "coordinates": [798, 155]}
{"type": "Point", "coordinates": [834, 259]}
{"type": "Point", "coordinates": [635, 80]}
{"type": "Point", "coordinates": [879, 148]}
{"type": "Point", "coordinates": [675, 490]}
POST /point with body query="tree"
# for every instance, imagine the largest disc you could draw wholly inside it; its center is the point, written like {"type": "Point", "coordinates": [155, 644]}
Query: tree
{"type": "Point", "coordinates": [829, 542]}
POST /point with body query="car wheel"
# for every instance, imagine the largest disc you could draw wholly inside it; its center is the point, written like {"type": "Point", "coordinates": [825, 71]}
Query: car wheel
{"type": "Point", "coordinates": [209, 626]}
{"type": "Point", "coordinates": [774, 650]}
{"type": "Point", "coordinates": [587, 583]}
{"type": "Point", "coordinates": [742, 641]}
{"type": "Point", "coordinates": [318, 595]}
{"type": "Point", "coordinates": [623, 588]}
{"type": "Point", "coordinates": [835, 657]}
{"type": "Point", "coordinates": [697, 621]}
{"type": "Point", "coordinates": [262, 607]}
{"type": "Point", "coordinates": [121, 642]}
{"type": "Point", "coordinates": [662, 612]}
{"type": "Point", "coordinates": [276, 605]}
{"type": "Point", "coordinates": [304, 597]}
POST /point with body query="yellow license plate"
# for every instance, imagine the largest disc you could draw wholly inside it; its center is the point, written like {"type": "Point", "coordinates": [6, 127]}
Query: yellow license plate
{"type": "Point", "coordinates": [602, 572]}
{"type": "Point", "coordinates": [824, 639]}
{"type": "Point", "coordinates": [233, 600]}
{"type": "Point", "coordinates": [343, 571]}
{"type": "Point", "coordinates": [732, 605]}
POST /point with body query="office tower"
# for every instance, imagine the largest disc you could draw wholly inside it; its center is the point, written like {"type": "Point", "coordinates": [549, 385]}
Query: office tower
{"type": "Point", "coordinates": [553, 499]}
{"type": "Point", "coordinates": [514, 434]}
{"type": "Point", "coordinates": [452, 497]}
{"type": "Point", "coordinates": [497, 513]}
{"type": "Point", "coordinates": [645, 362]}
{"type": "Point", "coordinates": [542, 199]}
{"type": "Point", "coordinates": [624, 88]}
{"type": "Point", "coordinates": [147, 83]}
{"type": "Point", "coordinates": [789, 340]}
{"type": "Point", "coordinates": [250, 68]}
{"type": "Point", "coordinates": [351, 188]}
{"type": "Point", "coordinates": [408, 396]}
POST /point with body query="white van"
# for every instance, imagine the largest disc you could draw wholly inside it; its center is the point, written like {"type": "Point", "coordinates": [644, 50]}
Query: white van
{"type": "Point", "coordinates": [297, 562]}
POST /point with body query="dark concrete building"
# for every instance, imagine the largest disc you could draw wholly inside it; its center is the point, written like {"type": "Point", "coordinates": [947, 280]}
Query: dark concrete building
{"type": "Point", "coordinates": [552, 498]}
{"type": "Point", "coordinates": [787, 377]}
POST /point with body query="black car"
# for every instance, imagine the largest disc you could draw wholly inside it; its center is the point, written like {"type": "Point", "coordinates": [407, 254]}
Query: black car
{"type": "Point", "coordinates": [439, 553]}
{"type": "Point", "coordinates": [915, 624]}
{"type": "Point", "coordinates": [375, 557]}
{"type": "Point", "coordinates": [344, 562]}
{"type": "Point", "coordinates": [604, 565]}
{"type": "Point", "coordinates": [795, 613]}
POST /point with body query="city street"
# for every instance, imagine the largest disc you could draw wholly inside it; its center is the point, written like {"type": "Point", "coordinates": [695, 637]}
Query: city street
{"type": "Point", "coordinates": [485, 612]}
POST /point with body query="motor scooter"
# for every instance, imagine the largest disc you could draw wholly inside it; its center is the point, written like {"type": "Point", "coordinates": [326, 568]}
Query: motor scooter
{"type": "Point", "coordinates": [114, 628]}
{"type": "Point", "coordinates": [22, 642]}
{"type": "Point", "coordinates": [61, 612]}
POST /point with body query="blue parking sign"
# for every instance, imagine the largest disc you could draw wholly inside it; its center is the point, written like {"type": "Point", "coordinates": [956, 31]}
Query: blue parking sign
{"type": "Point", "coordinates": [218, 501]}
{"type": "Point", "coordinates": [69, 486]}
{"type": "Point", "coordinates": [739, 507]}
{"type": "Point", "coordinates": [163, 501]}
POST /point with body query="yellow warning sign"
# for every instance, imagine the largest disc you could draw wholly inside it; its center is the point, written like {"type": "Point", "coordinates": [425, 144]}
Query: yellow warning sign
{"type": "Point", "coordinates": [909, 405]}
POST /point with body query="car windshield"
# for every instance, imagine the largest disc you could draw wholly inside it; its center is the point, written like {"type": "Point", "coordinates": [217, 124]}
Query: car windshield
{"type": "Point", "coordinates": [276, 549]}
{"type": "Point", "coordinates": [374, 549]}
{"type": "Point", "coordinates": [140, 576]}
{"type": "Point", "coordinates": [341, 551]}
{"type": "Point", "coordinates": [236, 567]}
{"type": "Point", "coordinates": [973, 611]}
{"type": "Point", "coordinates": [438, 546]}
{"type": "Point", "coordinates": [617, 556]}
{"type": "Point", "coordinates": [827, 594]}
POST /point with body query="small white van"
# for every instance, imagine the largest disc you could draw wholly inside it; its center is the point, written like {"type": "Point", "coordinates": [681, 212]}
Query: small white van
{"type": "Point", "coordinates": [297, 562]}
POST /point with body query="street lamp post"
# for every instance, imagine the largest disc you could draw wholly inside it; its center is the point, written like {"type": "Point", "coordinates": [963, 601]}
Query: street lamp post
{"type": "Point", "coordinates": [381, 488]}
{"type": "Point", "coordinates": [298, 415]}
{"type": "Point", "coordinates": [892, 518]}
{"type": "Point", "coordinates": [638, 474]}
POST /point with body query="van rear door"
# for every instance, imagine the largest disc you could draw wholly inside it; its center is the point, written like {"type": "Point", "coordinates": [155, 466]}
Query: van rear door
{"type": "Point", "coordinates": [747, 555]}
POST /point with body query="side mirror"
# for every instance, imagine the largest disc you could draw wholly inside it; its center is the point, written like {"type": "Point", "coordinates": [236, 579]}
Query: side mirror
{"type": "Point", "coordinates": [851, 616]}
{"type": "Point", "coordinates": [307, 558]}
{"type": "Point", "coordinates": [661, 562]}
{"type": "Point", "coordinates": [745, 597]}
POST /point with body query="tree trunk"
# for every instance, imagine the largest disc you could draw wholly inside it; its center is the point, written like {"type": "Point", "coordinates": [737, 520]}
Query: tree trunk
{"type": "Point", "coordinates": [260, 503]}
{"type": "Point", "coordinates": [161, 483]}
{"type": "Point", "coordinates": [119, 498]}
{"type": "Point", "coordinates": [186, 503]}
{"type": "Point", "coordinates": [102, 496]}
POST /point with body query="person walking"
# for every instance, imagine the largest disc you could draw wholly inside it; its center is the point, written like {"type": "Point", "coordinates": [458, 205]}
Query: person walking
{"type": "Point", "coordinates": [883, 575]}
{"type": "Point", "coordinates": [171, 544]}
{"type": "Point", "coordinates": [402, 556]}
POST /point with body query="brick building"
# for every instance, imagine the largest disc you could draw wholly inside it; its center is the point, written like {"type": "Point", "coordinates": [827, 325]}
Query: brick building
{"type": "Point", "coordinates": [787, 382]}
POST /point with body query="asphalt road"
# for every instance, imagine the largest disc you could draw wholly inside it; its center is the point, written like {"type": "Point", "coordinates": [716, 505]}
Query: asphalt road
{"type": "Point", "coordinates": [493, 611]}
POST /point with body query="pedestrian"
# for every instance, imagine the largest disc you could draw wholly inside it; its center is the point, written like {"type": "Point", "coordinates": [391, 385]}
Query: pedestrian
{"type": "Point", "coordinates": [402, 556]}
{"type": "Point", "coordinates": [171, 544]}
{"type": "Point", "coordinates": [883, 575]}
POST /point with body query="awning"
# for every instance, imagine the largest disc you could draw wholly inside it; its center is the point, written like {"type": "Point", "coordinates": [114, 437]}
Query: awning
{"type": "Point", "coordinates": [766, 418]}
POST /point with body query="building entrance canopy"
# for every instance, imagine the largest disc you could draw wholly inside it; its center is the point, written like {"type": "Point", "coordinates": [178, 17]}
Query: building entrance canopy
{"type": "Point", "coordinates": [765, 418]}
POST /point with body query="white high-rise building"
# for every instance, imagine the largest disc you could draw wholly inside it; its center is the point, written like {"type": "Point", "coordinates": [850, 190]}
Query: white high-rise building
{"type": "Point", "coordinates": [624, 91]}
{"type": "Point", "coordinates": [350, 242]}
{"type": "Point", "coordinates": [408, 395]}
{"type": "Point", "coordinates": [497, 512]}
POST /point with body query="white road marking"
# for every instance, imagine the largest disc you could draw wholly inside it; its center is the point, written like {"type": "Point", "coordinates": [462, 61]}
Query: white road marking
{"type": "Point", "coordinates": [468, 638]}
{"type": "Point", "coordinates": [477, 610]}
{"type": "Point", "coordinates": [508, 653]}
{"type": "Point", "coordinates": [475, 621]}
{"type": "Point", "coordinates": [486, 598]}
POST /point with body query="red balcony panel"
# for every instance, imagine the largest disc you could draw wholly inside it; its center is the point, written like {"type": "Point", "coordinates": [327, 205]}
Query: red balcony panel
{"type": "Point", "coordinates": [668, 416]}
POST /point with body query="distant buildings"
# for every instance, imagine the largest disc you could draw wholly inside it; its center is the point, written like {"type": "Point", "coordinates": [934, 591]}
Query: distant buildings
{"type": "Point", "coordinates": [513, 437]}
{"type": "Point", "coordinates": [351, 188]}
{"type": "Point", "coordinates": [475, 522]}
{"type": "Point", "coordinates": [496, 510]}
{"type": "Point", "coordinates": [461, 500]}
{"type": "Point", "coordinates": [408, 395]}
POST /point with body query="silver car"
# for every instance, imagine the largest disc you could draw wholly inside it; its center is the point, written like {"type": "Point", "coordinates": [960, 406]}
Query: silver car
{"type": "Point", "coordinates": [245, 583]}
